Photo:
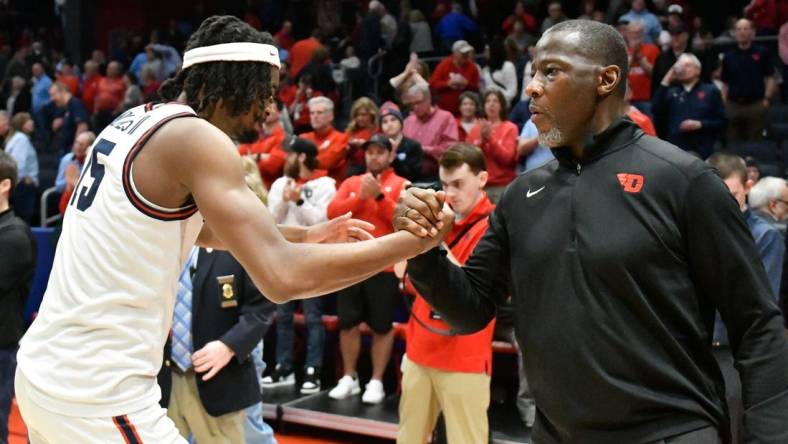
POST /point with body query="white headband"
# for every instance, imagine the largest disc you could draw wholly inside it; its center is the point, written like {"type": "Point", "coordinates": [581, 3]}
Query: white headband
{"type": "Point", "coordinates": [233, 52]}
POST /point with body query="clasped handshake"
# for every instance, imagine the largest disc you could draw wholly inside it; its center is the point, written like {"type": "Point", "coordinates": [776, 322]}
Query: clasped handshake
{"type": "Point", "coordinates": [425, 214]}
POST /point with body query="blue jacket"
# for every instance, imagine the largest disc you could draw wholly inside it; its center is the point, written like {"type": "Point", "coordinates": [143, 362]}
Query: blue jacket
{"type": "Point", "coordinates": [455, 26]}
{"type": "Point", "coordinates": [771, 248]}
{"type": "Point", "coordinates": [703, 102]}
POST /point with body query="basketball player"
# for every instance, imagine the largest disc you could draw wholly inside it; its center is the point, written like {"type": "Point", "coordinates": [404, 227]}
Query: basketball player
{"type": "Point", "coordinates": [156, 178]}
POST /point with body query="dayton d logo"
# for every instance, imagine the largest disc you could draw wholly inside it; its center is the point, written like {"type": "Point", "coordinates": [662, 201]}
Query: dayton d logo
{"type": "Point", "coordinates": [631, 183]}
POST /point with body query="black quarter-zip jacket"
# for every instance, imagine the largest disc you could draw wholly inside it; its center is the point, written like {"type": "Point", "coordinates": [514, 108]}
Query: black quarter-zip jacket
{"type": "Point", "coordinates": [615, 265]}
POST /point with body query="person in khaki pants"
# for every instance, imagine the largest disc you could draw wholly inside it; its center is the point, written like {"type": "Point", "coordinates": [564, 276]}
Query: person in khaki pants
{"type": "Point", "coordinates": [445, 372]}
{"type": "Point", "coordinates": [208, 377]}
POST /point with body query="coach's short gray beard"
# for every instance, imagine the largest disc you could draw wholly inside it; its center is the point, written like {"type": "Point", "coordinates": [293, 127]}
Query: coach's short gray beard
{"type": "Point", "coordinates": [552, 138]}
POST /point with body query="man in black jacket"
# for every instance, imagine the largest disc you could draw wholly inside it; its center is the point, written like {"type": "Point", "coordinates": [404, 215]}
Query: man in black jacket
{"type": "Point", "coordinates": [17, 261]}
{"type": "Point", "coordinates": [229, 317]}
{"type": "Point", "coordinates": [616, 255]}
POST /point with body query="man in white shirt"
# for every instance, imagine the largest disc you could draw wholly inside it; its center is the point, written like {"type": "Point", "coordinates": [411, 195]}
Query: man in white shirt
{"type": "Point", "coordinates": [301, 198]}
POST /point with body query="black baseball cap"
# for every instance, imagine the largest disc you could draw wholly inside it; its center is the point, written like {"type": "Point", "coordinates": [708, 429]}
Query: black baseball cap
{"type": "Point", "coordinates": [300, 145]}
{"type": "Point", "coordinates": [378, 139]}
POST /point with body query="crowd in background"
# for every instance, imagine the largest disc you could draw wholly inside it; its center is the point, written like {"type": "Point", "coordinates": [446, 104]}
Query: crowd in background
{"type": "Point", "coordinates": [367, 106]}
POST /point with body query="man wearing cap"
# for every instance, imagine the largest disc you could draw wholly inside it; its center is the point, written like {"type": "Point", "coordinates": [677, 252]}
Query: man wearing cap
{"type": "Point", "coordinates": [454, 75]}
{"type": "Point", "coordinates": [371, 197]}
{"type": "Point", "coordinates": [679, 38]}
{"type": "Point", "coordinates": [300, 198]}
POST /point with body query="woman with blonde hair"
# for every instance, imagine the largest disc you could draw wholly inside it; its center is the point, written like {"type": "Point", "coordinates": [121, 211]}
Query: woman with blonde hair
{"type": "Point", "coordinates": [364, 121]}
{"type": "Point", "coordinates": [254, 181]}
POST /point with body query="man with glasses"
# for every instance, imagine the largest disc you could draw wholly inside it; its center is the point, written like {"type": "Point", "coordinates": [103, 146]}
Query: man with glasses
{"type": "Point", "coordinates": [434, 128]}
{"type": "Point", "coordinates": [769, 198]}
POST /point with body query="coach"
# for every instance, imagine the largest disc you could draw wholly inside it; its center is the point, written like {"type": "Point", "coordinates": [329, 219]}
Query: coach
{"type": "Point", "coordinates": [616, 255]}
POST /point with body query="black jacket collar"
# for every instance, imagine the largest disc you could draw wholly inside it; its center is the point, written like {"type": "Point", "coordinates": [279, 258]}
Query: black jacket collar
{"type": "Point", "coordinates": [620, 134]}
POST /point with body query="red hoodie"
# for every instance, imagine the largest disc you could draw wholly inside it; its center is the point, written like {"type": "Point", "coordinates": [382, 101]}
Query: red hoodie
{"type": "Point", "coordinates": [500, 152]}
{"type": "Point", "coordinates": [271, 144]}
{"type": "Point", "coordinates": [377, 212]}
{"type": "Point", "coordinates": [462, 353]}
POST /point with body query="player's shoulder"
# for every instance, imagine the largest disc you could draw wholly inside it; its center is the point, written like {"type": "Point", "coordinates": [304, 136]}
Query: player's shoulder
{"type": "Point", "coordinates": [186, 145]}
{"type": "Point", "coordinates": [187, 138]}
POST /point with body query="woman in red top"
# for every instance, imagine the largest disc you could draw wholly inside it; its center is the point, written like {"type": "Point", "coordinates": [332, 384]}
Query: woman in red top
{"type": "Point", "coordinates": [470, 112]}
{"type": "Point", "coordinates": [364, 119]}
{"type": "Point", "coordinates": [497, 139]}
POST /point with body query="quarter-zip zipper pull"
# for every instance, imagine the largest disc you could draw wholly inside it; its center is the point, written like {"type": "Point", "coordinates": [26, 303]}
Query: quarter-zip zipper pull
{"type": "Point", "coordinates": [578, 168]}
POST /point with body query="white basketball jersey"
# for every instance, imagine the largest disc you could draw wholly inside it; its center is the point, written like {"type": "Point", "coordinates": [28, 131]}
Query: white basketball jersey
{"type": "Point", "coordinates": [96, 345]}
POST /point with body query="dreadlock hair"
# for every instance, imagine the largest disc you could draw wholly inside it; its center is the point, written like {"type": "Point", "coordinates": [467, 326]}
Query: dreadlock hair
{"type": "Point", "coordinates": [238, 84]}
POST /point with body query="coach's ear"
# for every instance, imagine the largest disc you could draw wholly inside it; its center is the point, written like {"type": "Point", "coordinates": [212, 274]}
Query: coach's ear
{"type": "Point", "coordinates": [608, 80]}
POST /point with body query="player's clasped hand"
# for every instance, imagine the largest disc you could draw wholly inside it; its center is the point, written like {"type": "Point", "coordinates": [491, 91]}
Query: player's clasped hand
{"type": "Point", "coordinates": [211, 358]}
{"type": "Point", "coordinates": [423, 213]}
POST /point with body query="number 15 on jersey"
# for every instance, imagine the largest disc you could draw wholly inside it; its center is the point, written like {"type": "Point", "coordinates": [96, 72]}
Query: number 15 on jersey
{"type": "Point", "coordinates": [90, 180]}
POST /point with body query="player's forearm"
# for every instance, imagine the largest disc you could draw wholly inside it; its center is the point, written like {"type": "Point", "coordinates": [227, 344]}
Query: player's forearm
{"type": "Point", "coordinates": [308, 270]}
{"type": "Point", "coordinates": [293, 233]}
{"type": "Point", "coordinates": [206, 239]}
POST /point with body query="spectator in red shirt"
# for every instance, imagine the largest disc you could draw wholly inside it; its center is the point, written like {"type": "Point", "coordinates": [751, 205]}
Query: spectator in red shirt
{"type": "Point", "coordinates": [298, 108]}
{"type": "Point", "coordinates": [71, 171]}
{"type": "Point", "coordinates": [642, 57]}
{"type": "Point", "coordinates": [634, 114]}
{"type": "Point", "coordinates": [90, 81]}
{"type": "Point", "coordinates": [364, 118]}
{"type": "Point", "coordinates": [150, 89]}
{"type": "Point", "coordinates": [67, 77]}
{"type": "Point", "coordinates": [470, 113]}
{"type": "Point", "coordinates": [520, 13]}
{"type": "Point", "coordinates": [371, 197]}
{"type": "Point", "coordinates": [331, 144]}
{"type": "Point", "coordinates": [284, 38]}
{"type": "Point", "coordinates": [267, 151]}
{"type": "Point", "coordinates": [287, 87]}
{"type": "Point", "coordinates": [301, 52]}
{"type": "Point", "coordinates": [764, 16]}
{"type": "Point", "coordinates": [446, 372]}
{"type": "Point", "coordinates": [497, 138]}
{"type": "Point", "coordinates": [454, 75]}
{"type": "Point", "coordinates": [109, 96]}
{"type": "Point", "coordinates": [434, 128]}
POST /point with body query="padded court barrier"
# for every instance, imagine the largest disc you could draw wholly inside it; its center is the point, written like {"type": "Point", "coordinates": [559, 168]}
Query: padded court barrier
{"type": "Point", "coordinates": [287, 405]}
